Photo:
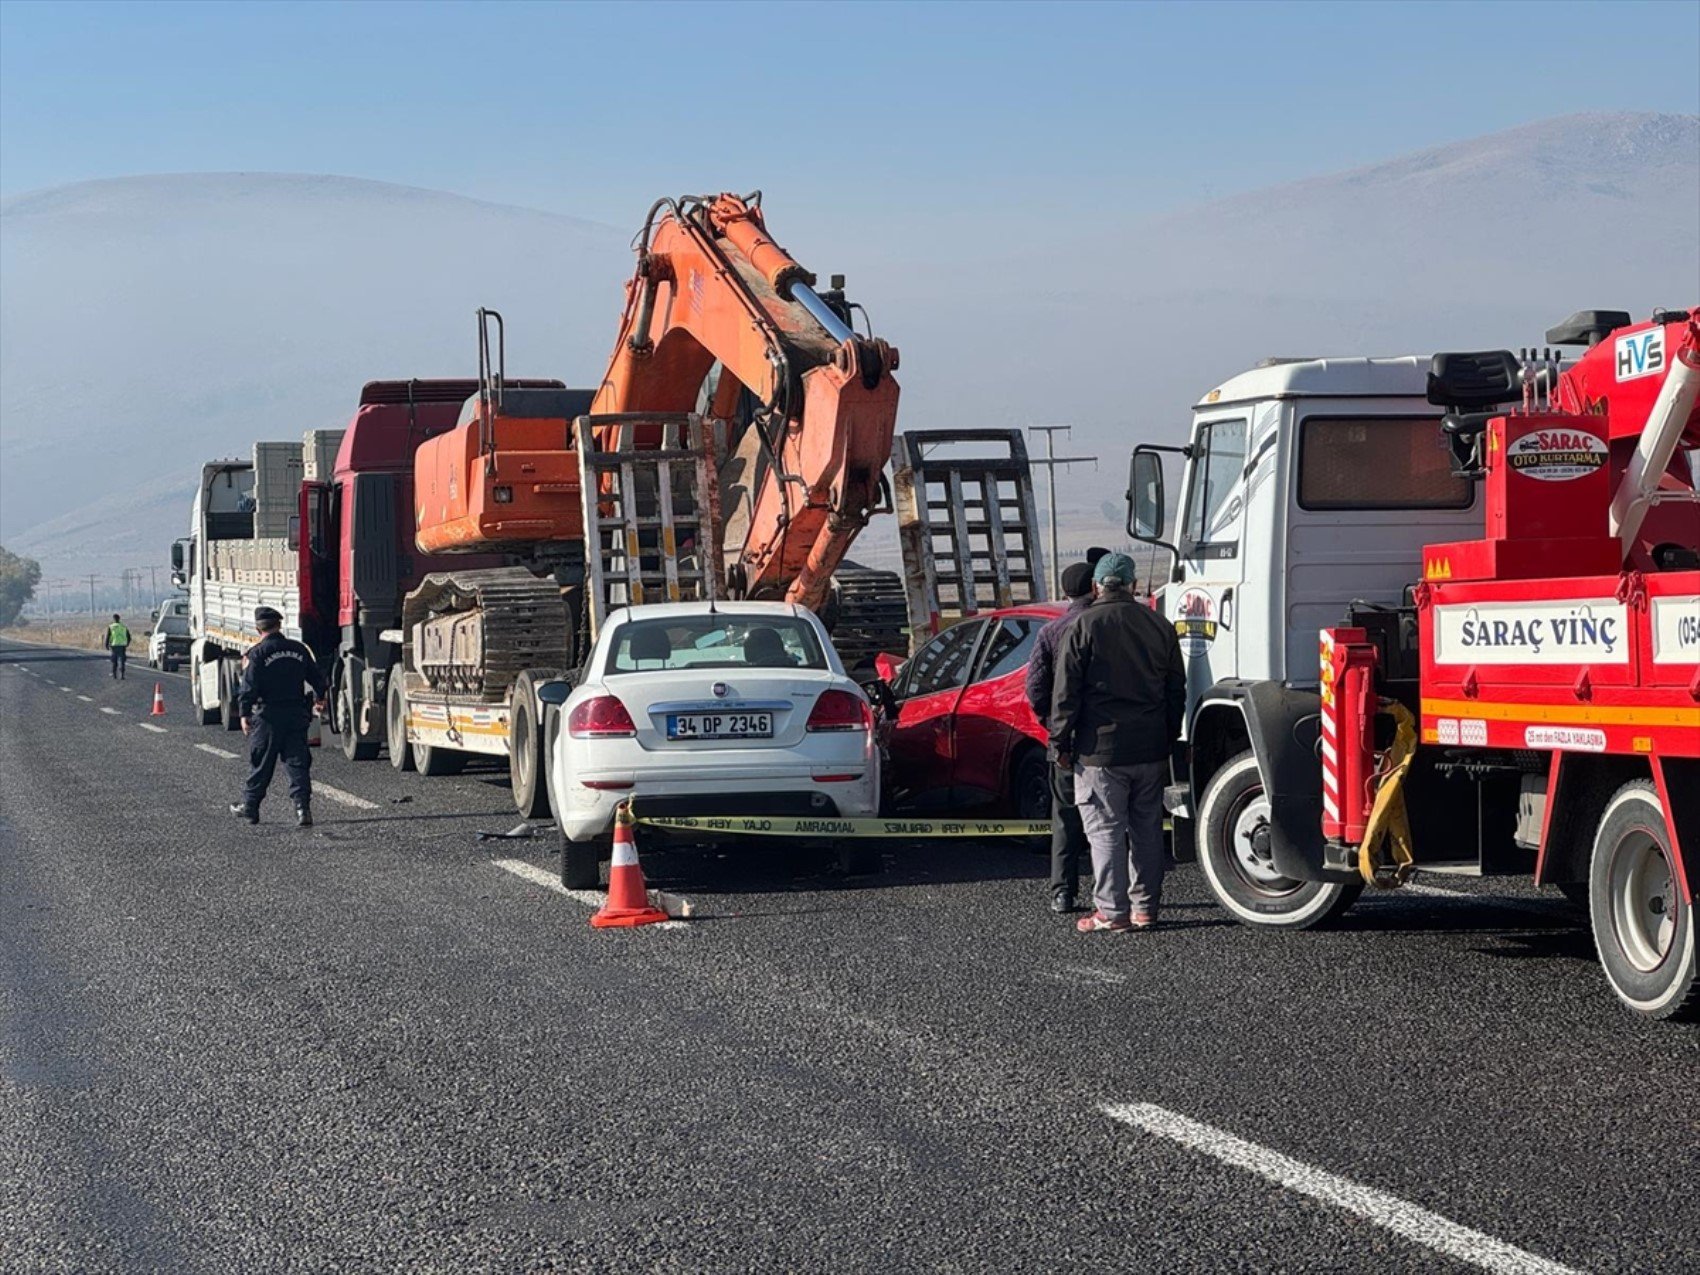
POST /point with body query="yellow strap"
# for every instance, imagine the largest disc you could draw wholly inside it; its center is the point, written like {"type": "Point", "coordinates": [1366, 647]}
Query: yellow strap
{"type": "Point", "coordinates": [1388, 820]}
{"type": "Point", "coordinates": [863, 826]}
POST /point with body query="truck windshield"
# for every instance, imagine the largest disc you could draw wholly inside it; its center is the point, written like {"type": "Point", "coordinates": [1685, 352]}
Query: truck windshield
{"type": "Point", "coordinates": [1218, 462]}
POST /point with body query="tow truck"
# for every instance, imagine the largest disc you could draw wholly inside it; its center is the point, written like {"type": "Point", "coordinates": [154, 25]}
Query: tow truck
{"type": "Point", "coordinates": [1444, 615]}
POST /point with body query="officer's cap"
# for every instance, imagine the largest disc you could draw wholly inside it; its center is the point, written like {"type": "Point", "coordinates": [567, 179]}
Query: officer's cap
{"type": "Point", "coordinates": [267, 615]}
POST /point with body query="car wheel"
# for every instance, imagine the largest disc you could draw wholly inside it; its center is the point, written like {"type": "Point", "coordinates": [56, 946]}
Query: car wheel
{"type": "Point", "coordinates": [1233, 850]}
{"type": "Point", "coordinates": [581, 864]}
{"type": "Point", "coordinates": [1030, 785]}
{"type": "Point", "coordinates": [395, 722]}
{"type": "Point", "coordinates": [1643, 926]}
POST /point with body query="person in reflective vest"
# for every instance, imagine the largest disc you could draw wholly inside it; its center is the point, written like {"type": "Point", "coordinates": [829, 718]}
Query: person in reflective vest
{"type": "Point", "coordinates": [276, 712]}
{"type": "Point", "coordinates": [117, 640]}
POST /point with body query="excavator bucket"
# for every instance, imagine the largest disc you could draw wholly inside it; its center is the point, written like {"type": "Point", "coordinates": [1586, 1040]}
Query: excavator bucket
{"type": "Point", "coordinates": [967, 525]}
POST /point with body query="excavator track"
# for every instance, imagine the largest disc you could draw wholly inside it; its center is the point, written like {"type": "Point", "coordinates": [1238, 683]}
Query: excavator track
{"type": "Point", "coordinates": [475, 632]}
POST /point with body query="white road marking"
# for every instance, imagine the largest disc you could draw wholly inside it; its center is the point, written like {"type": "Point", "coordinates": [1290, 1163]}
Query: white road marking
{"type": "Point", "coordinates": [158, 730]}
{"type": "Point", "coordinates": [346, 798]}
{"type": "Point", "coordinates": [87, 699]}
{"type": "Point", "coordinates": [1541, 906]}
{"type": "Point", "coordinates": [593, 899]}
{"type": "Point", "coordinates": [67, 690]}
{"type": "Point", "coordinates": [216, 752]}
{"type": "Point", "coordinates": [111, 711]}
{"type": "Point", "coordinates": [1388, 1211]}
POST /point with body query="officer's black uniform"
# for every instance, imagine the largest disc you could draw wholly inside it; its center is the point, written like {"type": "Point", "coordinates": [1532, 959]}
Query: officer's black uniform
{"type": "Point", "coordinates": [278, 711]}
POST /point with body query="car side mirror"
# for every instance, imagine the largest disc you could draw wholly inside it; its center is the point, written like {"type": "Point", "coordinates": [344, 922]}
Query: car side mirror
{"type": "Point", "coordinates": [887, 666]}
{"type": "Point", "coordinates": [880, 692]}
{"type": "Point", "coordinates": [556, 693]}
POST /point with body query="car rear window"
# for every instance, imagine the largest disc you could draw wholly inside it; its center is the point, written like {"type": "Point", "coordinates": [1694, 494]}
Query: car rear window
{"type": "Point", "coordinates": [715, 641]}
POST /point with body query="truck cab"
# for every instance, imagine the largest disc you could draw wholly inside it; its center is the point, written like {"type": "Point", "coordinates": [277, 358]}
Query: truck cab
{"type": "Point", "coordinates": [1305, 486]}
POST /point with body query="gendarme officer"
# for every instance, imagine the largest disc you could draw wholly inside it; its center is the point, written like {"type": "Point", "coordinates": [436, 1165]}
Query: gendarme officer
{"type": "Point", "coordinates": [275, 714]}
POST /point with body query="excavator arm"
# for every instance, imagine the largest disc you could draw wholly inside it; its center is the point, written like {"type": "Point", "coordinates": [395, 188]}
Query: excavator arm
{"type": "Point", "coordinates": [722, 321]}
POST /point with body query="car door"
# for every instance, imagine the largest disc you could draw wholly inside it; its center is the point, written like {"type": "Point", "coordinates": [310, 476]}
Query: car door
{"type": "Point", "coordinates": [992, 716]}
{"type": "Point", "coordinates": [922, 744]}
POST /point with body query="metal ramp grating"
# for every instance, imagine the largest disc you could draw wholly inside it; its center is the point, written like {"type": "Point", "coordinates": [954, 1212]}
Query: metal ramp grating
{"type": "Point", "coordinates": [651, 514]}
{"type": "Point", "coordinates": [967, 524]}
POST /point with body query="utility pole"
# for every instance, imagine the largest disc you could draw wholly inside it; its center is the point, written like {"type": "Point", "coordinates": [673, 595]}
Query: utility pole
{"type": "Point", "coordinates": [1050, 460]}
{"type": "Point", "coordinates": [153, 586]}
{"type": "Point", "coordinates": [92, 579]}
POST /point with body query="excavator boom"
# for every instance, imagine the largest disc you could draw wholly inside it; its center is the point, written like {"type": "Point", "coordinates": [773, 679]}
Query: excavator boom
{"type": "Point", "coordinates": [719, 319]}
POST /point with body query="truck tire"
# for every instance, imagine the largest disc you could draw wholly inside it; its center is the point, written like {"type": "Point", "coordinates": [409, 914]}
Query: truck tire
{"type": "Point", "coordinates": [395, 724]}
{"type": "Point", "coordinates": [204, 714]}
{"type": "Point", "coordinates": [353, 747]}
{"type": "Point", "coordinates": [1231, 850]}
{"type": "Point", "coordinates": [525, 747]}
{"type": "Point", "coordinates": [1643, 928]}
{"type": "Point", "coordinates": [436, 761]}
{"type": "Point", "coordinates": [230, 683]}
{"type": "Point", "coordinates": [581, 864]}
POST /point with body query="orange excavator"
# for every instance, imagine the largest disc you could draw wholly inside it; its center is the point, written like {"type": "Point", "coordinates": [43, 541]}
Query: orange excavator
{"type": "Point", "coordinates": [721, 320]}
{"type": "Point", "coordinates": [725, 350]}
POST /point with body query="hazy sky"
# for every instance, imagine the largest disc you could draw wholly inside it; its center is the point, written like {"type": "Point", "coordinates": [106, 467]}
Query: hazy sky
{"type": "Point", "coordinates": [595, 109]}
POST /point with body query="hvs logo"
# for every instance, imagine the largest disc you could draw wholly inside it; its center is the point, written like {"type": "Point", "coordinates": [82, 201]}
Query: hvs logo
{"type": "Point", "coordinates": [1642, 354]}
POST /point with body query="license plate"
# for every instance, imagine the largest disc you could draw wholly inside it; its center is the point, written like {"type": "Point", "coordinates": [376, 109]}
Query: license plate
{"type": "Point", "coordinates": [719, 725]}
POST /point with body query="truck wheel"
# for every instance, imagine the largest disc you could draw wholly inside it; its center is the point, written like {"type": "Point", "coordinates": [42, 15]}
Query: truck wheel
{"type": "Point", "coordinates": [204, 715]}
{"type": "Point", "coordinates": [581, 864]}
{"type": "Point", "coordinates": [1030, 785]}
{"type": "Point", "coordinates": [525, 751]}
{"type": "Point", "coordinates": [1643, 926]}
{"type": "Point", "coordinates": [353, 747]}
{"type": "Point", "coordinates": [395, 721]}
{"type": "Point", "coordinates": [436, 761]}
{"type": "Point", "coordinates": [230, 681]}
{"type": "Point", "coordinates": [1233, 850]}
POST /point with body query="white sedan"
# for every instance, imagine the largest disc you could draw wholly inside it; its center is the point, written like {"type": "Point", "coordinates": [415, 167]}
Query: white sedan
{"type": "Point", "coordinates": [693, 708]}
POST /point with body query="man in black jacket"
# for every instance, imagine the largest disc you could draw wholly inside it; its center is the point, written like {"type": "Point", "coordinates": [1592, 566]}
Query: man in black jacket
{"type": "Point", "coordinates": [1120, 696]}
{"type": "Point", "coordinates": [275, 716]}
{"type": "Point", "coordinates": [1068, 837]}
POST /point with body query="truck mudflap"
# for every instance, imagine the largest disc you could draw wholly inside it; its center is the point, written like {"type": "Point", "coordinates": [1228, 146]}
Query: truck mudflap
{"type": "Point", "coordinates": [1284, 724]}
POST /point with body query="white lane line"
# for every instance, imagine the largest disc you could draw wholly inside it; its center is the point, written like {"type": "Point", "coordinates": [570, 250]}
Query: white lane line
{"type": "Point", "coordinates": [158, 730]}
{"type": "Point", "coordinates": [113, 712]}
{"type": "Point", "coordinates": [87, 699]}
{"type": "Point", "coordinates": [1388, 1211]}
{"type": "Point", "coordinates": [346, 798]}
{"type": "Point", "coordinates": [1539, 906]}
{"type": "Point", "coordinates": [67, 690]}
{"type": "Point", "coordinates": [216, 752]}
{"type": "Point", "coordinates": [593, 899]}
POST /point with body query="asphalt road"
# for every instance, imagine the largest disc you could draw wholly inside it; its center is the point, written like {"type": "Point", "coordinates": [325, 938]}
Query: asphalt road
{"type": "Point", "coordinates": [372, 1046]}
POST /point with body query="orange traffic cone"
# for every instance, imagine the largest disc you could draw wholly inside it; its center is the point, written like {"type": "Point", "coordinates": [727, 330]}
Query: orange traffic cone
{"type": "Point", "coordinates": [628, 901]}
{"type": "Point", "coordinates": [158, 701]}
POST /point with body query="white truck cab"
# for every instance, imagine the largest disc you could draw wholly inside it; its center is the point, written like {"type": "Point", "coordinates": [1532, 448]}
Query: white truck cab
{"type": "Point", "coordinates": [1308, 485]}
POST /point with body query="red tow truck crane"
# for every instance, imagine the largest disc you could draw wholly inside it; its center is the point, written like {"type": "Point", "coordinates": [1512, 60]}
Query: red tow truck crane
{"type": "Point", "coordinates": [1540, 689]}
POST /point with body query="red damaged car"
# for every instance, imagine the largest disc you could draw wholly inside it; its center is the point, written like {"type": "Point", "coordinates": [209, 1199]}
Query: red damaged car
{"type": "Point", "coordinates": [956, 727]}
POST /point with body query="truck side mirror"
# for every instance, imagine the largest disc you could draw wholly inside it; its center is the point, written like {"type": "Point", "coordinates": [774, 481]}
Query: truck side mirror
{"type": "Point", "coordinates": [1146, 514]}
{"type": "Point", "coordinates": [177, 555]}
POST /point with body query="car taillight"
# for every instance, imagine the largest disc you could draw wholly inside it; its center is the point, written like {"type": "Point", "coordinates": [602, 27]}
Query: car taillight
{"type": "Point", "coordinates": [840, 710]}
{"type": "Point", "coordinates": [602, 716]}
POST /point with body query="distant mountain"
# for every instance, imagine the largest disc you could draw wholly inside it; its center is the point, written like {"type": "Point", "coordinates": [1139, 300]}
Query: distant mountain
{"type": "Point", "coordinates": [146, 323]}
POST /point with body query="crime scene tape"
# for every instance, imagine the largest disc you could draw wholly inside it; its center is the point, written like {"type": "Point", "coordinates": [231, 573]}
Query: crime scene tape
{"type": "Point", "coordinates": [862, 826]}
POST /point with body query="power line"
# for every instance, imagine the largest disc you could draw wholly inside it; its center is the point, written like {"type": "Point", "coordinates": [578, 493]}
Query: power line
{"type": "Point", "coordinates": [1050, 460]}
